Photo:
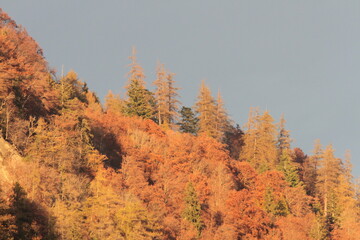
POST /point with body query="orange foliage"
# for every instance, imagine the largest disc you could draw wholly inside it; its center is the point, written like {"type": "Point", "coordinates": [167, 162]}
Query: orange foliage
{"type": "Point", "coordinates": [104, 175]}
{"type": "Point", "coordinates": [23, 66]}
{"type": "Point", "coordinates": [270, 179]}
{"type": "Point", "coordinates": [296, 228]}
{"type": "Point", "coordinates": [247, 218]}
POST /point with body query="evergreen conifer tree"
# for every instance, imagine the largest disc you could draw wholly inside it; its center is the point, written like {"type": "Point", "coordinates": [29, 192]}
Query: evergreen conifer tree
{"type": "Point", "coordinates": [192, 212]}
{"type": "Point", "coordinates": [283, 139]}
{"type": "Point", "coordinates": [188, 122]}
{"type": "Point", "coordinates": [290, 170]}
{"type": "Point", "coordinates": [140, 100]}
{"type": "Point", "coordinates": [283, 136]}
{"type": "Point", "coordinates": [273, 206]}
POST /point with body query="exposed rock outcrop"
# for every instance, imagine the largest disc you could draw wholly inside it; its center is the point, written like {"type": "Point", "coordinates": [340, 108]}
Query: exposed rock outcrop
{"type": "Point", "coordinates": [9, 159]}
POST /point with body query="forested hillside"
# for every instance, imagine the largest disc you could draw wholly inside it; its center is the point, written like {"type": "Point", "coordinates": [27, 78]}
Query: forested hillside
{"type": "Point", "coordinates": [146, 167]}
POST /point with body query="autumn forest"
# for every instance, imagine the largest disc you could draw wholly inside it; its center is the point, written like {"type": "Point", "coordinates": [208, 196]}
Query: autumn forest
{"type": "Point", "coordinates": [143, 166]}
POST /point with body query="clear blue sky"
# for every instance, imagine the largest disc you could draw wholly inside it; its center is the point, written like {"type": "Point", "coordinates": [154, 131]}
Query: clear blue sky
{"type": "Point", "coordinates": [300, 58]}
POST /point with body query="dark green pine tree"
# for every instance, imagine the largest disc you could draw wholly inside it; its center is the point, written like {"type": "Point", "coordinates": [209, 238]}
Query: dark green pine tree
{"type": "Point", "coordinates": [188, 122]}
{"type": "Point", "coordinates": [140, 100]}
{"type": "Point", "coordinates": [275, 207]}
{"type": "Point", "coordinates": [192, 212]}
{"type": "Point", "coordinates": [287, 166]}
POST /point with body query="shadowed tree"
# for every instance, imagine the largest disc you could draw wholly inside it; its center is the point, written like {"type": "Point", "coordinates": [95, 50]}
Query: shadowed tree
{"type": "Point", "coordinates": [30, 221]}
{"type": "Point", "coordinates": [7, 221]}
{"type": "Point", "coordinates": [310, 169]}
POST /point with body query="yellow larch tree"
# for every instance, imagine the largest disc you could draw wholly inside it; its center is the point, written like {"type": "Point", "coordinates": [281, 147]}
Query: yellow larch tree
{"type": "Point", "coordinates": [167, 104]}
{"type": "Point", "coordinates": [213, 118]}
{"type": "Point", "coordinates": [260, 141]}
{"type": "Point", "coordinates": [345, 190]}
{"type": "Point", "coordinates": [113, 103]}
{"type": "Point", "coordinates": [160, 93]}
{"type": "Point", "coordinates": [327, 181]}
{"type": "Point", "coordinates": [93, 102]}
{"type": "Point", "coordinates": [206, 108]}
{"type": "Point", "coordinates": [222, 122]}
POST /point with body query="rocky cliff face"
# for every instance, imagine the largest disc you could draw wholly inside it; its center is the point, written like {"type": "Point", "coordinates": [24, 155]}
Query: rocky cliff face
{"type": "Point", "coordinates": [9, 160]}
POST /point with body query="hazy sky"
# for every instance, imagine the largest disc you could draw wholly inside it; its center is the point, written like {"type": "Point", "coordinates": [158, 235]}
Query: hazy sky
{"type": "Point", "coordinates": [300, 58]}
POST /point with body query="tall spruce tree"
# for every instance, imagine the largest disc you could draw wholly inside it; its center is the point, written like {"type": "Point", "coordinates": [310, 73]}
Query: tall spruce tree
{"type": "Point", "coordinates": [188, 121]}
{"type": "Point", "coordinates": [283, 141]}
{"type": "Point", "coordinates": [140, 101]}
{"type": "Point", "coordinates": [285, 161]}
{"type": "Point", "coordinates": [289, 168]}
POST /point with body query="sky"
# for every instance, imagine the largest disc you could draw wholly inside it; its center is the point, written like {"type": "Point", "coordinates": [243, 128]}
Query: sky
{"type": "Point", "coordinates": [299, 58]}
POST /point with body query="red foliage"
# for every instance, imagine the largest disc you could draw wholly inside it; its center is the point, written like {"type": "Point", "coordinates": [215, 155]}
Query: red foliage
{"type": "Point", "coordinates": [24, 69]}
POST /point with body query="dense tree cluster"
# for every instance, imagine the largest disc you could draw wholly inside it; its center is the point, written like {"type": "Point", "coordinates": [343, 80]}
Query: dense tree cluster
{"type": "Point", "coordinates": [143, 167]}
